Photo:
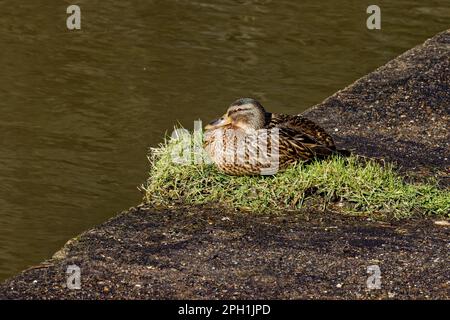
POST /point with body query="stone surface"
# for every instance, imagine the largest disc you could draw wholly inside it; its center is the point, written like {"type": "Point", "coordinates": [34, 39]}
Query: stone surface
{"type": "Point", "coordinates": [199, 253]}
{"type": "Point", "coordinates": [400, 112]}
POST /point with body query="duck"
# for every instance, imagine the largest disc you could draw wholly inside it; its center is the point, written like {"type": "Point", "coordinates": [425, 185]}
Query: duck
{"type": "Point", "coordinates": [248, 140]}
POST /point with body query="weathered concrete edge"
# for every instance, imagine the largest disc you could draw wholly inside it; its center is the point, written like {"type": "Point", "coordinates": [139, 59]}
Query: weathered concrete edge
{"type": "Point", "coordinates": [400, 112]}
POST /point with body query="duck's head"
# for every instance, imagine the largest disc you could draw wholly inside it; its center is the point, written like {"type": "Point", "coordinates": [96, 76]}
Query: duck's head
{"type": "Point", "coordinates": [244, 113]}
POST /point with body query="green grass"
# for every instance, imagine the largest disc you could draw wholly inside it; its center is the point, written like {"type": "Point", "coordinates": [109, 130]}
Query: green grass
{"type": "Point", "coordinates": [353, 185]}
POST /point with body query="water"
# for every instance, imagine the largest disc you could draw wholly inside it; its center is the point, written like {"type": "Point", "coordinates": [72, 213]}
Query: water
{"type": "Point", "coordinates": [79, 109]}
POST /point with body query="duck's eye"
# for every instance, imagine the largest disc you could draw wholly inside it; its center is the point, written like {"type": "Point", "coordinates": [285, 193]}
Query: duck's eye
{"type": "Point", "coordinates": [235, 111]}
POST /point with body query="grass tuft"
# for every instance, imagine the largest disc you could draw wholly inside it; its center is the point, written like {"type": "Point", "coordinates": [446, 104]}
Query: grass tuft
{"type": "Point", "coordinates": [353, 185]}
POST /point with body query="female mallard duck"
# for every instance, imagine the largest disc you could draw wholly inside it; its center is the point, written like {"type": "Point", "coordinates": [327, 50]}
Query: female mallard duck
{"type": "Point", "coordinates": [238, 146]}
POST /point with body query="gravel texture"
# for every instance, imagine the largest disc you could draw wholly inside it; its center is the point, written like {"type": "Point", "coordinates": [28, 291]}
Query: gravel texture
{"type": "Point", "coordinates": [200, 252]}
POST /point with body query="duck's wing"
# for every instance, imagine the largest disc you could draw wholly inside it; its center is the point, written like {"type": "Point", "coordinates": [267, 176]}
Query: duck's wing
{"type": "Point", "coordinates": [302, 127]}
{"type": "Point", "coordinates": [296, 144]}
{"type": "Point", "coordinates": [301, 137]}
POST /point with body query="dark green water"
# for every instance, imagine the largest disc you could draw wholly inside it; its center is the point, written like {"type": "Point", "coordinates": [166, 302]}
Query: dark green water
{"type": "Point", "coordinates": [80, 108]}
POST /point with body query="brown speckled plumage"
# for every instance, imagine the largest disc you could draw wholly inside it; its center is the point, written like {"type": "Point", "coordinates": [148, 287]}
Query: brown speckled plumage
{"type": "Point", "coordinates": [300, 139]}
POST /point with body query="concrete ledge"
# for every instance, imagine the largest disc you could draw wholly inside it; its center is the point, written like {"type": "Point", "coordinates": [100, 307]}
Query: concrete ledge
{"type": "Point", "coordinates": [199, 253]}
{"type": "Point", "coordinates": [400, 112]}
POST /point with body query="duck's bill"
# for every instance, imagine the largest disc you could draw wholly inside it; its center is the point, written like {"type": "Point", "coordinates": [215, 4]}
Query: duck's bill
{"type": "Point", "coordinates": [222, 121]}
